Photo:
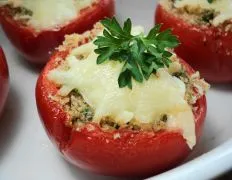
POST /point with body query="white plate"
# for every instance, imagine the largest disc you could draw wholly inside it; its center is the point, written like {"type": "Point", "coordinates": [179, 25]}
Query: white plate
{"type": "Point", "coordinates": [27, 154]}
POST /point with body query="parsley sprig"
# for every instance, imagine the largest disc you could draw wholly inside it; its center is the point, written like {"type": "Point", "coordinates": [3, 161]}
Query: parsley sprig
{"type": "Point", "coordinates": [141, 55]}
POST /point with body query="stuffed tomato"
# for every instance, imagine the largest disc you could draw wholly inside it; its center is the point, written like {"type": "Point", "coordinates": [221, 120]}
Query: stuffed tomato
{"type": "Point", "coordinates": [4, 80]}
{"type": "Point", "coordinates": [116, 102]}
{"type": "Point", "coordinates": [35, 28]}
{"type": "Point", "coordinates": [205, 32]}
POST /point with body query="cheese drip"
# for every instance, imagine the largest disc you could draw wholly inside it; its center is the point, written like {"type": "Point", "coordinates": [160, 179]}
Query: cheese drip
{"type": "Point", "coordinates": [50, 13]}
{"type": "Point", "coordinates": [222, 7]}
{"type": "Point", "coordinates": [146, 102]}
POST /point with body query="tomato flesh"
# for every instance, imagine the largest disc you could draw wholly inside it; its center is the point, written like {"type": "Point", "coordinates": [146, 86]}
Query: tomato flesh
{"type": "Point", "coordinates": [4, 80]}
{"type": "Point", "coordinates": [207, 49]}
{"type": "Point", "coordinates": [135, 153]}
{"type": "Point", "coordinates": [36, 47]}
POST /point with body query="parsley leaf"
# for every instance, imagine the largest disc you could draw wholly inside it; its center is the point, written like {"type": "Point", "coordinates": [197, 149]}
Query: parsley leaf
{"type": "Point", "coordinates": [141, 55]}
{"type": "Point", "coordinates": [210, 1]}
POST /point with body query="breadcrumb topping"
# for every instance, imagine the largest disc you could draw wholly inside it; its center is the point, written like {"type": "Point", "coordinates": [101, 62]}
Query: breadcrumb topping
{"type": "Point", "coordinates": [40, 16]}
{"type": "Point", "coordinates": [74, 40]}
{"type": "Point", "coordinates": [196, 15]}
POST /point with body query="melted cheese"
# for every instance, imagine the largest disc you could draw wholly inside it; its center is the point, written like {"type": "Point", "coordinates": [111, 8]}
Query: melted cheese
{"type": "Point", "coordinates": [183, 121]}
{"type": "Point", "coordinates": [146, 102]}
{"type": "Point", "coordinates": [222, 7]}
{"type": "Point", "coordinates": [51, 13]}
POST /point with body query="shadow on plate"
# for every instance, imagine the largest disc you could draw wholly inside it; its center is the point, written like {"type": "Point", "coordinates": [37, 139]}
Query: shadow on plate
{"type": "Point", "coordinates": [222, 87]}
{"type": "Point", "coordinates": [226, 176]}
{"type": "Point", "coordinates": [33, 68]}
{"type": "Point", "coordinates": [206, 143]}
{"type": "Point", "coordinates": [9, 122]}
{"type": "Point", "coordinates": [85, 175]}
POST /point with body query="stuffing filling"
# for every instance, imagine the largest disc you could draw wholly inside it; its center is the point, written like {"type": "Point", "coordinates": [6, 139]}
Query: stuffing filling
{"type": "Point", "coordinates": [202, 12]}
{"type": "Point", "coordinates": [40, 15]}
{"type": "Point", "coordinates": [21, 12]}
{"type": "Point", "coordinates": [81, 113]}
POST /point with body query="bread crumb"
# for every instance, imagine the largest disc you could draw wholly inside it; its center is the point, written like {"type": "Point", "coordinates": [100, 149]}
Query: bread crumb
{"type": "Point", "coordinates": [117, 136]}
{"type": "Point", "coordinates": [74, 40]}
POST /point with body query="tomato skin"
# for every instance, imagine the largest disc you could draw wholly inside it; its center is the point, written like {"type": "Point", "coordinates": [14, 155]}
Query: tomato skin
{"type": "Point", "coordinates": [4, 80]}
{"type": "Point", "coordinates": [207, 49]}
{"type": "Point", "coordinates": [36, 47]}
{"type": "Point", "coordinates": [135, 153]}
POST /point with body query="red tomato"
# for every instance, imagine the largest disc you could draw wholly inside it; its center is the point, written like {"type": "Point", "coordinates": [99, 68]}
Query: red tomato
{"type": "Point", "coordinates": [37, 46]}
{"type": "Point", "coordinates": [208, 49]}
{"type": "Point", "coordinates": [4, 80]}
{"type": "Point", "coordinates": [135, 153]}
